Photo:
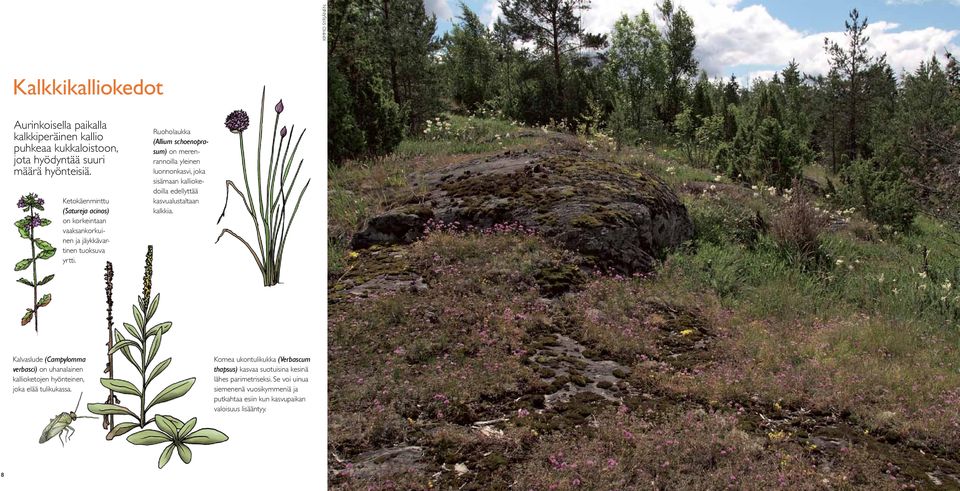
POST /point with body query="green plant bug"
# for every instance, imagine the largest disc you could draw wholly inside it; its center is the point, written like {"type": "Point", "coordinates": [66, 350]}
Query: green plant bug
{"type": "Point", "coordinates": [61, 423]}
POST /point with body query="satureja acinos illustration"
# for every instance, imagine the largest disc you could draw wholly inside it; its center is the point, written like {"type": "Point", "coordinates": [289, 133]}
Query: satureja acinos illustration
{"type": "Point", "coordinates": [39, 249]}
{"type": "Point", "coordinates": [275, 190]}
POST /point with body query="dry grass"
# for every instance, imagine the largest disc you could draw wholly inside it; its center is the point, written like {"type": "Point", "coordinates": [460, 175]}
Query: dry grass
{"type": "Point", "coordinates": [693, 449]}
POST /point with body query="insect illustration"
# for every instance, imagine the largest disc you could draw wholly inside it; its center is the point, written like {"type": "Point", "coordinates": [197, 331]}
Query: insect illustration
{"type": "Point", "coordinates": [61, 424]}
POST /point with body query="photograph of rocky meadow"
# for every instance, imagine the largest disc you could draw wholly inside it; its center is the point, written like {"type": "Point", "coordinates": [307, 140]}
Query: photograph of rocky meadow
{"type": "Point", "coordinates": [669, 245]}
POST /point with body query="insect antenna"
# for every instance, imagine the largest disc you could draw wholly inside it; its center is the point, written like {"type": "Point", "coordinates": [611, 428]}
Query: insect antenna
{"type": "Point", "coordinates": [78, 407]}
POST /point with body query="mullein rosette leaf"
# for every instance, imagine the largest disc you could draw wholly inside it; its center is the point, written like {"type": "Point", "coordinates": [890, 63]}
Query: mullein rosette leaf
{"type": "Point", "coordinates": [274, 209]}
{"type": "Point", "coordinates": [40, 249]}
{"type": "Point", "coordinates": [178, 436]}
{"type": "Point", "coordinates": [141, 350]}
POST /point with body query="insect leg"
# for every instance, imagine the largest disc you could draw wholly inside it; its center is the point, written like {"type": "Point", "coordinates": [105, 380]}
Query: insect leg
{"type": "Point", "coordinates": [60, 435]}
{"type": "Point", "coordinates": [72, 431]}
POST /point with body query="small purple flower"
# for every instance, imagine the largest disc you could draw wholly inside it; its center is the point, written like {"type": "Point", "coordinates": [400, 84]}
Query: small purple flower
{"type": "Point", "coordinates": [34, 221]}
{"type": "Point", "coordinates": [31, 200]}
{"type": "Point", "coordinates": [283, 132]}
{"type": "Point", "coordinates": [279, 107]}
{"type": "Point", "coordinates": [237, 121]}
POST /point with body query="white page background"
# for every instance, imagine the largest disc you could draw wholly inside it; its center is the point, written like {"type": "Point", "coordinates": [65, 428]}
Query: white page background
{"type": "Point", "coordinates": [212, 57]}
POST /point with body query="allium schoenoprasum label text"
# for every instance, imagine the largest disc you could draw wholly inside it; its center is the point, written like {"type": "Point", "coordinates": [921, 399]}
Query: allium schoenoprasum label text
{"type": "Point", "coordinates": [256, 384]}
{"type": "Point", "coordinates": [55, 149]}
{"type": "Point", "coordinates": [84, 228]}
{"type": "Point", "coordinates": [178, 171]}
{"type": "Point", "coordinates": [41, 373]}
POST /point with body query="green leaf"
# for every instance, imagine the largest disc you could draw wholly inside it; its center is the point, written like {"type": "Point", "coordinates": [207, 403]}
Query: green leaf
{"type": "Point", "coordinates": [27, 317]}
{"type": "Point", "coordinates": [45, 300]}
{"type": "Point", "coordinates": [120, 429]}
{"type": "Point", "coordinates": [38, 207]}
{"type": "Point", "coordinates": [126, 351]}
{"type": "Point", "coordinates": [148, 437]}
{"type": "Point", "coordinates": [166, 426]}
{"type": "Point", "coordinates": [176, 423]}
{"type": "Point", "coordinates": [132, 330]}
{"type": "Point", "coordinates": [153, 306]}
{"type": "Point", "coordinates": [165, 455]}
{"type": "Point", "coordinates": [46, 254]}
{"type": "Point", "coordinates": [206, 436]}
{"type": "Point", "coordinates": [45, 280]}
{"type": "Point", "coordinates": [45, 221]}
{"type": "Point", "coordinates": [185, 454]}
{"type": "Point", "coordinates": [24, 233]}
{"type": "Point", "coordinates": [44, 245]}
{"type": "Point", "coordinates": [125, 344]}
{"type": "Point", "coordinates": [121, 386]}
{"type": "Point", "coordinates": [157, 370]}
{"type": "Point", "coordinates": [108, 409]}
{"type": "Point", "coordinates": [172, 392]}
{"type": "Point", "coordinates": [25, 282]}
{"type": "Point", "coordinates": [139, 317]}
{"type": "Point", "coordinates": [163, 326]}
{"type": "Point", "coordinates": [187, 428]}
{"type": "Point", "coordinates": [23, 264]}
{"type": "Point", "coordinates": [154, 347]}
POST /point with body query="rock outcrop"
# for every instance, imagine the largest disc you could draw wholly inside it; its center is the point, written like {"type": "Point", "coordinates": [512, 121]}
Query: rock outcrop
{"type": "Point", "coordinates": [617, 217]}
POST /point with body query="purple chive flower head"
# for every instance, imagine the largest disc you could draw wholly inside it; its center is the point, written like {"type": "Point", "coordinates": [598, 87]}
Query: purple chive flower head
{"type": "Point", "coordinates": [279, 107]}
{"type": "Point", "coordinates": [237, 121]}
{"type": "Point", "coordinates": [283, 132]}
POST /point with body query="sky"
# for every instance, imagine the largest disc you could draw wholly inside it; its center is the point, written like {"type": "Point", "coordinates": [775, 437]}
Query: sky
{"type": "Point", "coordinates": [753, 39]}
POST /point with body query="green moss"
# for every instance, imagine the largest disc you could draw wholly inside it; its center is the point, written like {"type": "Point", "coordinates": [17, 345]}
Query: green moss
{"type": "Point", "coordinates": [586, 221]}
{"type": "Point", "coordinates": [419, 209]}
{"type": "Point", "coordinates": [556, 279]}
{"type": "Point", "coordinates": [580, 380]}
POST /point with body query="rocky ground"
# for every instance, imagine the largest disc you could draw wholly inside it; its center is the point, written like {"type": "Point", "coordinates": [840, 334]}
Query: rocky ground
{"type": "Point", "coordinates": [547, 317]}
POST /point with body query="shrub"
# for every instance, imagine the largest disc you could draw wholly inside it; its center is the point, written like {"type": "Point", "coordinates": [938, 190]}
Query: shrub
{"type": "Point", "coordinates": [698, 137]}
{"type": "Point", "coordinates": [797, 227]}
{"type": "Point", "coordinates": [881, 192]}
{"type": "Point", "coordinates": [719, 220]}
{"type": "Point", "coordinates": [363, 120]}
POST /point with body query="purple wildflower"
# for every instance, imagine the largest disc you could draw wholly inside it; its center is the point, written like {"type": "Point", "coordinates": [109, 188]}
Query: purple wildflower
{"type": "Point", "coordinates": [22, 203]}
{"type": "Point", "coordinates": [279, 107]}
{"type": "Point", "coordinates": [34, 221]}
{"type": "Point", "coordinates": [237, 121]}
{"type": "Point", "coordinates": [283, 132]}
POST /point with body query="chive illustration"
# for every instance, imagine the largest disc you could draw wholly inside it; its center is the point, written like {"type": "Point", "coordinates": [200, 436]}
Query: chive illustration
{"type": "Point", "coordinates": [32, 204]}
{"type": "Point", "coordinates": [269, 213]}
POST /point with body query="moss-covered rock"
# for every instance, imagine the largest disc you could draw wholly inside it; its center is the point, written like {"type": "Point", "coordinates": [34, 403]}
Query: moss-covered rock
{"type": "Point", "coordinates": [616, 217]}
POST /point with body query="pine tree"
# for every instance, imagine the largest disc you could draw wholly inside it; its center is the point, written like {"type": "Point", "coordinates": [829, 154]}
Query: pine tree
{"type": "Point", "coordinates": [848, 65]}
{"type": "Point", "coordinates": [554, 28]}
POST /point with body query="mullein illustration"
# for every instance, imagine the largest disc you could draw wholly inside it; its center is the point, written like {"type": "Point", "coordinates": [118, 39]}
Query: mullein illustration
{"type": "Point", "coordinates": [111, 396]}
{"type": "Point", "coordinates": [39, 249]}
{"type": "Point", "coordinates": [177, 434]}
{"type": "Point", "coordinates": [269, 211]}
